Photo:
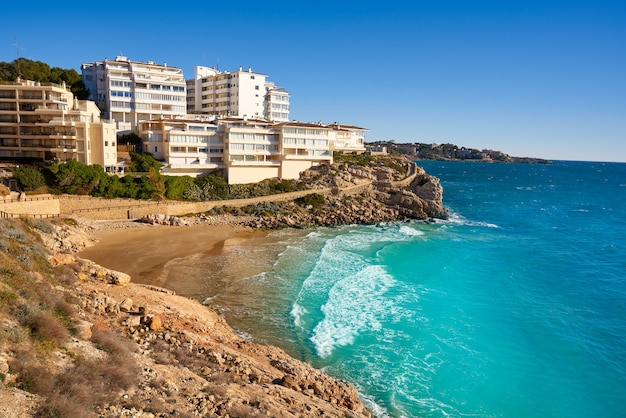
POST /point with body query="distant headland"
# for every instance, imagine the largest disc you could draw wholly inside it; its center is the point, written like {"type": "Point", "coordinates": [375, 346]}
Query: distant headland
{"type": "Point", "coordinates": [448, 152]}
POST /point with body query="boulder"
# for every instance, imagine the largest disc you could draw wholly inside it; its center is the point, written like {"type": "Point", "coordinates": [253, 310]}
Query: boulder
{"type": "Point", "coordinates": [118, 278]}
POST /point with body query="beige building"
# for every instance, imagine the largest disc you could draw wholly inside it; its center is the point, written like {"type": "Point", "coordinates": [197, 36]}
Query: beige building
{"type": "Point", "coordinates": [44, 121]}
{"type": "Point", "coordinates": [130, 91]}
{"type": "Point", "coordinates": [246, 150]}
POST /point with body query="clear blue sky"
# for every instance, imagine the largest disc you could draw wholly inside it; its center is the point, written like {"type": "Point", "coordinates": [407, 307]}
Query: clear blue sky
{"type": "Point", "coordinates": [530, 78]}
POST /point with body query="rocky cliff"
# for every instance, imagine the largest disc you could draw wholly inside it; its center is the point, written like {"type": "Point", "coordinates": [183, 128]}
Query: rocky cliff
{"type": "Point", "coordinates": [80, 340]}
{"type": "Point", "coordinates": [359, 195]}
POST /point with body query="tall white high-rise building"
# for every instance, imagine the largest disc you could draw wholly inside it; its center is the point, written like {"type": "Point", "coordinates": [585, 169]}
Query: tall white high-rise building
{"type": "Point", "coordinates": [129, 91]}
{"type": "Point", "coordinates": [241, 93]}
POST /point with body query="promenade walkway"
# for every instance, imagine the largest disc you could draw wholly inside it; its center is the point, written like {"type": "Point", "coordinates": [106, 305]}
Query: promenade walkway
{"type": "Point", "coordinates": [97, 208]}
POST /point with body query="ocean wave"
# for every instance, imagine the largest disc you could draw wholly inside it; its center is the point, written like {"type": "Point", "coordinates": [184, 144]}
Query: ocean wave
{"type": "Point", "coordinates": [410, 232]}
{"type": "Point", "coordinates": [355, 304]}
{"type": "Point", "coordinates": [457, 219]}
{"type": "Point", "coordinates": [297, 312]}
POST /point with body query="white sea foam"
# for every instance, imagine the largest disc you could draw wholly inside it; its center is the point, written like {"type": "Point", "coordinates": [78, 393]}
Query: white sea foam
{"type": "Point", "coordinates": [355, 304]}
{"type": "Point", "coordinates": [297, 312]}
{"type": "Point", "coordinates": [411, 232]}
{"type": "Point", "coordinates": [457, 219]}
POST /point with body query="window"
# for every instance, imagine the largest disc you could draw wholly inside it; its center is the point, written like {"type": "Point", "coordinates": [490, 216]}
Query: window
{"type": "Point", "coordinates": [256, 87]}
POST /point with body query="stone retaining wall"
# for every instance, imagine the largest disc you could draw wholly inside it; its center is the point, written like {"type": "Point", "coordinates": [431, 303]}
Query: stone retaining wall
{"type": "Point", "coordinates": [98, 208]}
{"type": "Point", "coordinates": [42, 206]}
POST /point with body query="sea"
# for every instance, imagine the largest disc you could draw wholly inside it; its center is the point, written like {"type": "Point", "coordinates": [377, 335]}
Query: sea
{"type": "Point", "coordinates": [515, 306]}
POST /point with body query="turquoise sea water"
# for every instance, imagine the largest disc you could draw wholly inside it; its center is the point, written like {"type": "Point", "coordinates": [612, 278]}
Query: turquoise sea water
{"type": "Point", "coordinates": [514, 307]}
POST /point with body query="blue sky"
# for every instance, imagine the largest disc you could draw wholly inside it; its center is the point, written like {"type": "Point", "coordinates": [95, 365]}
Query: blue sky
{"type": "Point", "coordinates": [529, 78]}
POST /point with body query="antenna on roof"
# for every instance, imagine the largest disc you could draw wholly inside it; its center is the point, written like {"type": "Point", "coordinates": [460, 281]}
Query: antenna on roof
{"type": "Point", "coordinates": [218, 64]}
{"type": "Point", "coordinates": [17, 52]}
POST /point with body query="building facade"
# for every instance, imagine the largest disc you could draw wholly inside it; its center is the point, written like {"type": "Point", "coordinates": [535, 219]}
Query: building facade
{"type": "Point", "coordinates": [245, 150]}
{"type": "Point", "coordinates": [128, 92]}
{"type": "Point", "coordinates": [44, 121]}
{"type": "Point", "coordinates": [241, 93]}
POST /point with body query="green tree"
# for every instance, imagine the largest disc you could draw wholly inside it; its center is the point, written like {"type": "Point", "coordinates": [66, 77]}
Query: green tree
{"type": "Point", "coordinates": [7, 72]}
{"type": "Point", "coordinates": [177, 186]}
{"type": "Point", "coordinates": [74, 177]}
{"type": "Point", "coordinates": [29, 178]}
{"type": "Point", "coordinates": [141, 162]}
{"type": "Point", "coordinates": [33, 70]}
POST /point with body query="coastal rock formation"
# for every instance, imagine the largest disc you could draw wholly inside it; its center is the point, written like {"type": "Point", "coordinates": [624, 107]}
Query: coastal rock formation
{"type": "Point", "coordinates": [139, 350]}
{"type": "Point", "coordinates": [361, 195]}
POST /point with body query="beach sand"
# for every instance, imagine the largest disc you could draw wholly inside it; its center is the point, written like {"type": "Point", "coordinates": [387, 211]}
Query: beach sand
{"type": "Point", "coordinates": [149, 255]}
{"type": "Point", "coordinates": [221, 266]}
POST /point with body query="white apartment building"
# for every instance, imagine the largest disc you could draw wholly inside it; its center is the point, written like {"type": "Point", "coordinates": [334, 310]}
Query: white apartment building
{"type": "Point", "coordinates": [246, 150]}
{"type": "Point", "coordinates": [189, 146]}
{"type": "Point", "coordinates": [241, 93]}
{"type": "Point", "coordinates": [129, 91]}
{"type": "Point", "coordinates": [44, 121]}
{"type": "Point", "coordinates": [276, 103]}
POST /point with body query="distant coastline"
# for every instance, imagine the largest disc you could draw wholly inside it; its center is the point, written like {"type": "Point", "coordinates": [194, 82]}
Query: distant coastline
{"type": "Point", "coordinates": [448, 152]}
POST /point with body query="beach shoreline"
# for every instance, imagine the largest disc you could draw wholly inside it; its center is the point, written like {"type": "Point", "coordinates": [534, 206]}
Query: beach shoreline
{"type": "Point", "coordinates": [145, 253]}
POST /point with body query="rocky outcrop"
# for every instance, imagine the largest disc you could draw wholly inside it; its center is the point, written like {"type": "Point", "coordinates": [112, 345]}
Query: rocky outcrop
{"type": "Point", "coordinates": [158, 219]}
{"type": "Point", "coordinates": [193, 363]}
{"type": "Point", "coordinates": [175, 356]}
{"type": "Point", "coordinates": [361, 195]}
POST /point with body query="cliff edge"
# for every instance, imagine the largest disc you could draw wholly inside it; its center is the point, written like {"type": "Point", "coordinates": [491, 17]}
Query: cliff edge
{"type": "Point", "coordinates": [81, 340]}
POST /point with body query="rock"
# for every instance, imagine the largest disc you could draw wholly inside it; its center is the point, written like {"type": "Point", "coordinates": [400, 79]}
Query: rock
{"type": "Point", "coordinates": [133, 321]}
{"type": "Point", "coordinates": [118, 278]}
{"type": "Point", "coordinates": [62, 259]}
{"type": "Point", "coordinates": [126, 305]}
{"type": "Point", "coordinates": [155, 323]}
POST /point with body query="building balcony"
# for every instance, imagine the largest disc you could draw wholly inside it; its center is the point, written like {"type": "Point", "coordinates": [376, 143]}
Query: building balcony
{"type": "Point", "coordinates": [62, 150]}
{"type": "Point", "coordinates": [255, 163]}
{"type": "Point", "coordinates": [63, 135]}
{"type": "Point", "coordinates": [307, 157]}
{"type": "Point", "coordinates": [62, 122]}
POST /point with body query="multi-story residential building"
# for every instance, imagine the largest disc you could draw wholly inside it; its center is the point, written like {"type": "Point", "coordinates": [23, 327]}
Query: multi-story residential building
{"type": "Point", "coordinates": [129, 91]}
{"type": "Point", "coordinates": [44, 121]}
{"type": "Point", "coordinates": [189, 146]}
{"type": "Point", "coordinates": [276, 103]}
{"type": "Point", "coordinates": [241, 93]}
{"type": "Point", "coordinates": [246, 150]}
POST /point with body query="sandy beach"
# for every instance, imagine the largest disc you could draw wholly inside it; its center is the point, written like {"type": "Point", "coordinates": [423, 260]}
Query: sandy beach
{"type": "Point", "coordinates": [152, 254]}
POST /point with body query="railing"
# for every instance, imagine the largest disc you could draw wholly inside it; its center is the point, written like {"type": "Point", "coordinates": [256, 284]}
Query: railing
{"type": "Point", "coordinates": [6, 215]}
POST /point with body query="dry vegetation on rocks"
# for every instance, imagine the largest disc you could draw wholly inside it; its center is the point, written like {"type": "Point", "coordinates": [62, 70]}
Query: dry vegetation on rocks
{"type": "Point", "coordinates": [79, 340]}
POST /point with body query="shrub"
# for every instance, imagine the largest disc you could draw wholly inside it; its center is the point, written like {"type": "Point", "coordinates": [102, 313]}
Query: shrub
{"type": "Point", "coordinates": [29, 178]}
{"type": "Point", "coordinates": [314, 199]}
{"type": "Point", "coordinates": [46, 326]}
{"type": "Point", "coordinates": [31, 375]}
{"type": "Point", "coordinates": [142, 162]}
